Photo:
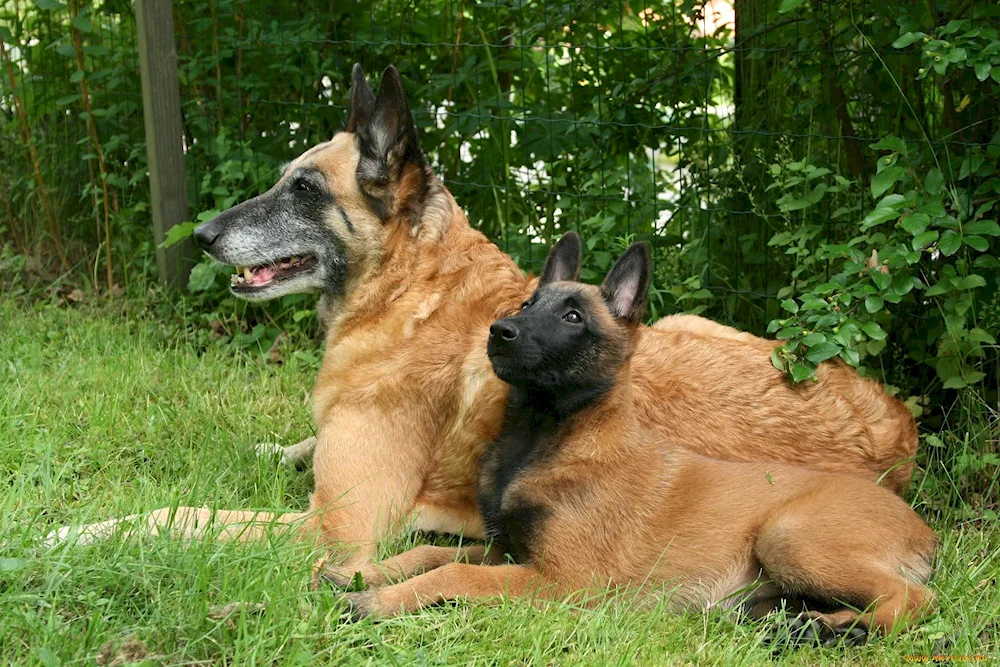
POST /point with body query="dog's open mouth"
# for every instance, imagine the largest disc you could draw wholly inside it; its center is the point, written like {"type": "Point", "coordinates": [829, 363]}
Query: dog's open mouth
{"type": "Point", "coordinates": [249, 278]}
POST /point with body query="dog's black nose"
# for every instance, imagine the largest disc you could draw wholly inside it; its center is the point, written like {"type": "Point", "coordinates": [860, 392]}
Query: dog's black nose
{"type": "Point", "coordinates": [206, 234]}
{"type": "Point", "coordinates": [504, 330]}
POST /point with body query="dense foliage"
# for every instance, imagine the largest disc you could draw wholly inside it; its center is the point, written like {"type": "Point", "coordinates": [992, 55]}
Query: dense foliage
{"type": "Point", "coordinates": [825, 171]}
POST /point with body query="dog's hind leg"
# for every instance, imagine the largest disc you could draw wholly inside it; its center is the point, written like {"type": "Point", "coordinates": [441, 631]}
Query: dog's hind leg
{"type": "Point", "coordinates": [448, 582]}
{"type": "Point", "coordinates": [874, 558]}
{"type": "Point", "coordinates": [417, 560]}
{"type": "Point", "coordinates": [185, 523]}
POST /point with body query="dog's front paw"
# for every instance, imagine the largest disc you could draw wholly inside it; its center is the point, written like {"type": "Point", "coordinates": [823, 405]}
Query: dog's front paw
{"type": "Point", "coordinates": [346, 578]}
{"type": "Point", "coordinates": [360, 606]}
{"type": "Point", "coordinates": [270, 450]}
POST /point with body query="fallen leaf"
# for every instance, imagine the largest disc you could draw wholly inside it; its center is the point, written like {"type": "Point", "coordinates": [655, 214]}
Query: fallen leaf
{"type": "Point", "coordinates": [131, 651]}
{"type": "Point", "coordinates": [274, 353]}
{"type": "Point", "coordinates": [318, 568]}
{"type": "Point", "coordinates": [226, 612]}
{"type": "Point", "coordinates": [872, 261]}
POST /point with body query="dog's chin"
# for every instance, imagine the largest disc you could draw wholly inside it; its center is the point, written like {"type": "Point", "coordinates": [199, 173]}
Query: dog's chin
{"type": "Point", "coordinates": [506, 370]}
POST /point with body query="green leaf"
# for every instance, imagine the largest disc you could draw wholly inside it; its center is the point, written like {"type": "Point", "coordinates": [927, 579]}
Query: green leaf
{"type": "Point", "coordinates": [950, 243]}
{"type": "Point", "coordinates": [970, 282]}
{"type": "Point", "coordinates": [788, 333]}
{"type": "Point", "coordinates": [983, 70]}
{"type": "Point", "coordinates": [875, 347]}
{"type": "Point", "coordinates": [851, 356]}
{"type": "Point", "coordinates": [776, 360]}
{"type": "Point", "coordinates": [822, 352]}
{"type": "Point", "coordinates": [817, 193]}
{"type": "Point", "coordinates": [977, 243]}
{"type": "Point", "coordinates": [813, 339]}
{"type": "Point", "coordinates": [790, 305]}
{"type": "Point", "coordinates": [894, 144]}
{"type": "Point", "coordinates": [178, 233]}
{"type": "Point", "coordinates": [76, 77]}
{"type": "Point", "coordinates": [886, 179]}
{"type": "Point", "coordinates": [983, 228]}
{"type": "Point", "coordinates": [873, 304]}
{"type": "Point", "coordinates": [923, 240]}
{"type": "Point", "coordinates": [903, 285]}
{"type": "Point", "coordinates": [873, 330]}
{"type": "Point", "coordinates": [5, 35]}
{"type": "Point", "coordinates": [955, 382]}
{"type": "Point", "coordinates": [82, 23]}
{"type": "Point", "coordinates": [789, 5]}
{"type": "Point", "coordinates": [878, 216]}
{"type": "Point", "coordinates": [940, 288]}
{"type": "Point", "coordinates": [50, 4]}
{"type": "Point", "coordinates": [915, 223]}
{"type": "Point", "coordinates": [933, 441]}
{"type": "Point", "coordinates": [801, 372]}
{"type": "Point", "coordinates": [978, 335]}
{"type": "Point", "coordinates": [908, 38]}
{"type": "Point", "coordinates": [202, 278]}
{"type": "Point", "coordinates": [794, 204]}
{"type": "Point", "coordinates": [814, 304]}
{"type": "Point", "coordinates": [934, 182]}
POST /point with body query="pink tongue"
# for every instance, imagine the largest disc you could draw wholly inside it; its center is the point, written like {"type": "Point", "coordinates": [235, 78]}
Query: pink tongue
{"type": "Point", "coordinates": [262, 276]}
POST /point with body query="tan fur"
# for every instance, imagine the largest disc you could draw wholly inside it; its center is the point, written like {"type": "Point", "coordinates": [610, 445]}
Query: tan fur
{"type": "Point", "coordinates": [625, 507]}
{"type": "Point", "coordinates": [406, 399]}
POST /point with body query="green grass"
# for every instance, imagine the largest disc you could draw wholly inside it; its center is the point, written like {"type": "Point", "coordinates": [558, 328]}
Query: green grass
{"type": "Point", "coordinates": [107, 413]}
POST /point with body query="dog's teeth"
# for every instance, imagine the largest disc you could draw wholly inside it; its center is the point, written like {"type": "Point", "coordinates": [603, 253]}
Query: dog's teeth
{"type": "Point", "coordinates": [247, 275]}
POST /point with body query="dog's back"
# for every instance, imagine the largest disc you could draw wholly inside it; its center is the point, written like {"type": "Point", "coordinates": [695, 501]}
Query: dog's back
{"type": "Point", "coordinates": [583, 497]}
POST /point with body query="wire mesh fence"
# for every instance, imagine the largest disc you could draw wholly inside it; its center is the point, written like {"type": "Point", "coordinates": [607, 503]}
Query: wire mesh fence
{"type": "Point", "coordinates": [680, 122]}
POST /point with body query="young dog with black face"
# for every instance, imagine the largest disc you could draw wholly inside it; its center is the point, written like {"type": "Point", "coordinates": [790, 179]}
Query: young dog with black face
{"type": "Point", "coordinates": [579, 496]}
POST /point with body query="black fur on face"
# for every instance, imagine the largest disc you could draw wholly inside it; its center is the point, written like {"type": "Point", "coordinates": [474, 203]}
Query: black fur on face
{"type": "Point", "coordinates": [571, 339]}
{"type": "Point", "coordinates": [291, 220]}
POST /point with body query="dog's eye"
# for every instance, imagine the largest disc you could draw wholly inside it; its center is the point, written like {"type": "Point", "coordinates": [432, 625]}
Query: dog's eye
{"type": "Point", "coordinates": [302, 185]}
{"type": "Point", "coordinates": [525, 305]}
{"type": "Point", "coordinates": [573, 317]}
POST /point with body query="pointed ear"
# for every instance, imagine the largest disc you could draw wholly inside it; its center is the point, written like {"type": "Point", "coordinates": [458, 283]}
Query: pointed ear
{"type": "Point", "coordinates": [362, 100]}
{"type": "Point", "coordinates": [625, 287]}
{"type": "Point", "coordinates": [564, 260]}
{"type": "Point", "coordinates": [389, 140]}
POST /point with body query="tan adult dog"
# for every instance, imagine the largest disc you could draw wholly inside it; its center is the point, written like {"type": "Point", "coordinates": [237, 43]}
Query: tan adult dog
{"type": "Point", "coordinates": [579, 495]}
{"type": "Point", "coordinates": [406, 399]}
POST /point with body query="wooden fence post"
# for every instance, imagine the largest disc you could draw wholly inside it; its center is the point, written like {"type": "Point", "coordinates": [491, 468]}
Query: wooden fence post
{"type": "Point", "coordinates": [161, 111]}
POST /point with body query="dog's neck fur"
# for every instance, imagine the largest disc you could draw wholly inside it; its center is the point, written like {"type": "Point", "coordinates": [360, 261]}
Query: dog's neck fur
{"type": "Point", "coordinates": [599, 416]}
{"type": "Point", "coordinates": [439, 243]}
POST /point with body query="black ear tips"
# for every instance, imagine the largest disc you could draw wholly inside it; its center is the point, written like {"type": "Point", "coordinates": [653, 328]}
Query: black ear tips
{"type": "Point", "coordinates": [564, 260]}
{"type": "Point", "coordinates": [362, 100]}
{"type": "Point", "coordinates": [573, 244]}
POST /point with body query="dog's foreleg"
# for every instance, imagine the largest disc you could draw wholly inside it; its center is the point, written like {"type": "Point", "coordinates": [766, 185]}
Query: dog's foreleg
{"type": "Point", "coordinates": [417, 560]}
{"type": "Point", "coordinates": [448, 582]}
